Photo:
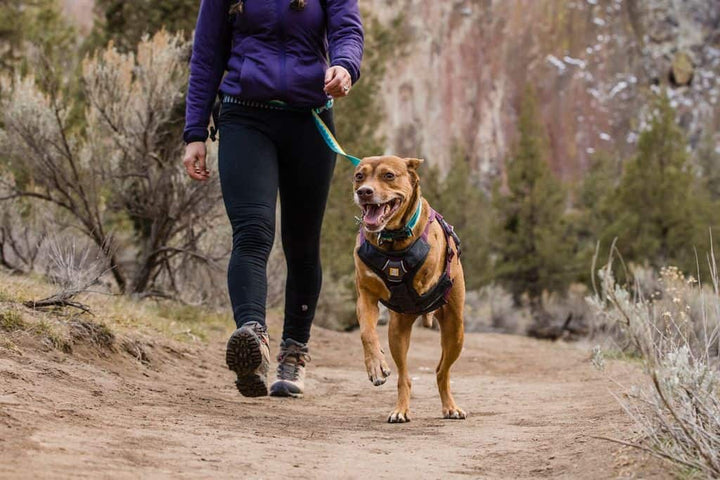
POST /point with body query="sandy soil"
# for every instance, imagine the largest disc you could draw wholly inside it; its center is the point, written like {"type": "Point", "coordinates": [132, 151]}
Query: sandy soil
{"type": "Point", "coordinates": [534, 407]}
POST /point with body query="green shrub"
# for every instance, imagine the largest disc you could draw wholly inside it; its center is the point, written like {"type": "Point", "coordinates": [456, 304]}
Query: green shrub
{"type": "Point", "coordinates": [529, 233]}
{"type": "Point", "coordinates": [661, 209]}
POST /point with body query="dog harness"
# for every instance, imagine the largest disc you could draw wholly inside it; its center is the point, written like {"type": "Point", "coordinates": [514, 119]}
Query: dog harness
{"type": "Point", "coordinates": [398, 268]}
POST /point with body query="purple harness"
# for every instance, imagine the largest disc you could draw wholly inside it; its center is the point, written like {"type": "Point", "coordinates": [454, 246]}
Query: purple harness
{"type": "Point", "coordinates": [398, 268]}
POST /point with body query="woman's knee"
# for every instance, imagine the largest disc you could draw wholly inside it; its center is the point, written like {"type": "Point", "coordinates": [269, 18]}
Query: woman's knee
{"type": "Point", "coordinates": [253, 233]}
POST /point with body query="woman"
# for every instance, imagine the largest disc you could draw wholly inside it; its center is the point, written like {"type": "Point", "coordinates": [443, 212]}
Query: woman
{"type": "Point", "coordinates": [276, 56]}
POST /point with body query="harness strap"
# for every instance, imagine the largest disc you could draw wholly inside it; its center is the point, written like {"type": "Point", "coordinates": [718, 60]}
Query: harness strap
{"type": "Point", "coordinates": [449, 232]}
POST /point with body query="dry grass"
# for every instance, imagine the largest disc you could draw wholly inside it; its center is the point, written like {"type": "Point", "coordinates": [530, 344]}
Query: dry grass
{"type": "Point", "coordinates": [74, 271]}
{"type": "Point", "coordinates": [115, 324]}
{"type": "Point", "coordinates": [11, 321]}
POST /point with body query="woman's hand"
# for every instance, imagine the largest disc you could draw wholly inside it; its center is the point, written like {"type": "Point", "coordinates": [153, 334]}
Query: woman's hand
{"type": "Point", "coordinates": [337, 82]}
{"type": "Point", "coordinates": [194, 160]}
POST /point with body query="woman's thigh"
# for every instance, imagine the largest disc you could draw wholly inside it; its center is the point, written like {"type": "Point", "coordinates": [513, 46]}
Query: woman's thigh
{"type": "Point", "coordinates": [306, 169]}
{"type": "Point", "coordinates": [248, 168]}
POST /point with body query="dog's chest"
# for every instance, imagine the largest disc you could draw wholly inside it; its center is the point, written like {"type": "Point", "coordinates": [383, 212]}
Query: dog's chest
{"type": "Point", "coordinates": [396, 267]}
{"type": "Point", "coordinates": [397, 270]}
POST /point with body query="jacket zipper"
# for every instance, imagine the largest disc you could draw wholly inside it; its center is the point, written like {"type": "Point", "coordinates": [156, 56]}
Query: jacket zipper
{"type": "Point", "coordinates": [281, 31]}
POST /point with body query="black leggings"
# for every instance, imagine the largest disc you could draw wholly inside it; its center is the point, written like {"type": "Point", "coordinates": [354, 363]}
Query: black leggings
{"type": "Point", "coordinates": [263, 152]}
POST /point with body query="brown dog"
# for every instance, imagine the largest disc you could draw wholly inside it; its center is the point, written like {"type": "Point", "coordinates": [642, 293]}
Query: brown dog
{"type": "Point", "coordinates": [407, 258]}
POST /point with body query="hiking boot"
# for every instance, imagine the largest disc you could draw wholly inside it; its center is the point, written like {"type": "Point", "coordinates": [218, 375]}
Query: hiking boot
{"type": "Point", "coordinates": [248, 355]}
{"type": "Point", "coordinates": [291, 369]}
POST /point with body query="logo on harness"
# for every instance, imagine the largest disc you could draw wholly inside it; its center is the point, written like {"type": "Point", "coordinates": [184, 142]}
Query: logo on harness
{"type": "Point", "coordinates": [394, 270]}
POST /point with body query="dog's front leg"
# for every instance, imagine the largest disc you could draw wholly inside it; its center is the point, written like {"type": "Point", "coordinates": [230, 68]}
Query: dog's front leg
{"type": "Point", "coordinates": [399, 332]}
{"type": "Point", "coordinates": [368, 313]}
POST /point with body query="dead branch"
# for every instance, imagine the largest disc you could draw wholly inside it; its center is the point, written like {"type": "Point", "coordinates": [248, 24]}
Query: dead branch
{"type": "Point", "coordinates": [656, 453]}
{"type": "Point", "coordinates": [56, 302]}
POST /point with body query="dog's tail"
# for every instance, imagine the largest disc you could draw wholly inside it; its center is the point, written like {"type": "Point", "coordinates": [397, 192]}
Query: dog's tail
{"type": "Point", "coordinates": [427, 320]}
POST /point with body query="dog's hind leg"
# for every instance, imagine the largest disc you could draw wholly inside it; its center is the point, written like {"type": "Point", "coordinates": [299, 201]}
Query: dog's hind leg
{"type": "Point", "coordinates": [452, 336]}
{"type": "Point", "coordinates": [428, 320]}
{"type": "Point", "coordinates": [399, 332]}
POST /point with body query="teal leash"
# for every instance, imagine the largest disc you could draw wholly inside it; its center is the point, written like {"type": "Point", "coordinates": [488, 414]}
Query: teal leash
{"type": "Point", "coordinates": [331, 141]}
{"type": "Point", "coordinates": [327, 135]}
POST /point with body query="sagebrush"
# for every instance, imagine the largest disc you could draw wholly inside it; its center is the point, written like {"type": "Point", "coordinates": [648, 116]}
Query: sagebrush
{"type": "Point", "coordinates": [676, 332]}
{"type": "Point", "coordinates": [118, 179]}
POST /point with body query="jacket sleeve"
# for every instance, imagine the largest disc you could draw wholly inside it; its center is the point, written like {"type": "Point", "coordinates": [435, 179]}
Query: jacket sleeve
{"type": "Point", "coordinates": [211, 48]}
{"type": "Point", "coordinates": [345, 35]}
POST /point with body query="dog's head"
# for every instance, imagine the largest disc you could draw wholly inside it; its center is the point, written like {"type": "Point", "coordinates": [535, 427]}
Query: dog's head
{"type": "Point", "coordinates": [385, 187]}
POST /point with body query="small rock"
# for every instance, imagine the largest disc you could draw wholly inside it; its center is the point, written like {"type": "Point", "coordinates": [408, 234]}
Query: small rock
{"type": "Point", "coordinates": [681, 70]}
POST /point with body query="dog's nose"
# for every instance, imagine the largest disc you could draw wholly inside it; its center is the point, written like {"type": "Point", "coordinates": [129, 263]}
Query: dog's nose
{"type": "Point", "coordinates": [365, 192]}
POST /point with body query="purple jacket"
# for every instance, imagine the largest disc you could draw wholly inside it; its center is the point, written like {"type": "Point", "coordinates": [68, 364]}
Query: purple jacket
{"type": "Point", "coordinates": [270, 52]}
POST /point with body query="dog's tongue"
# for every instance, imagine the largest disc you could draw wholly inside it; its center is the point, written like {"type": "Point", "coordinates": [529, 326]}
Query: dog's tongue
{"type": "Point", "coordinates": [373, 214]}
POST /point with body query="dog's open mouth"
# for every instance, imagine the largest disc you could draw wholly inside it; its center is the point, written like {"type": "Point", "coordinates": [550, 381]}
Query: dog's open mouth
{"type": "Point", "coordinates": [376, 215]}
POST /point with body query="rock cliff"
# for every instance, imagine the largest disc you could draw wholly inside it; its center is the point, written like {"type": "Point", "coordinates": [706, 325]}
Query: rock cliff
{"type": "Point", "coordinates": [593, 63]}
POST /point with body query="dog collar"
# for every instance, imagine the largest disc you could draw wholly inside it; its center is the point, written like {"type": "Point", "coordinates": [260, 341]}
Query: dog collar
{"type": "Point", "coordinates": [402, 233]}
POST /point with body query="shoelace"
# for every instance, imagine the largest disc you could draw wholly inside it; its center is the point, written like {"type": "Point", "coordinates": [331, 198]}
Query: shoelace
{"type": "Point", "coordinates": [289, 370]}
{"type": "Point", "coordinates": [261, 332]}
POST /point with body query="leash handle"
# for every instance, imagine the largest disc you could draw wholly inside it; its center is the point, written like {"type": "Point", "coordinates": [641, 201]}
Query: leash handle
{"type": "Point", "coordinates": [330, 139]}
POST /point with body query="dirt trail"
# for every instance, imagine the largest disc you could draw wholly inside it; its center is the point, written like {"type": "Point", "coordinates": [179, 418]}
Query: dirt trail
{"type": "Point", "coordinates": [533, 409]}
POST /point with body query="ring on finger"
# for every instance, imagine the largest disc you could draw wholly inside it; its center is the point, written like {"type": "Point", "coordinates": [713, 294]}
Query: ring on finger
{"type": "Point", "coordinates": [346, 88]}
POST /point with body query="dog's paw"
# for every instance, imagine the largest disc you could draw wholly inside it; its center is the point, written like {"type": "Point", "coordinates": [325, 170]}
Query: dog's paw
{"type": "Point", "coordinates": [454, 413]}
{"type": "Point", "coordinates": [378, 370]}
{"type": "Point", "coordinates": [399, 415]}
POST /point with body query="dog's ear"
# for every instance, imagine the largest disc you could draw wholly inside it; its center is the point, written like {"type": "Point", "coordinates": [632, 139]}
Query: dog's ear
{"type": "Point", "coordinates": [413, 163]}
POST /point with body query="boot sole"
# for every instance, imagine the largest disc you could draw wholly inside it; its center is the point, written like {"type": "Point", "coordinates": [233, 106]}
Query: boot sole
{"type": "Point", "coordinates": [244, 357]}
{"type": "Point", "coordinates": [279, 389]}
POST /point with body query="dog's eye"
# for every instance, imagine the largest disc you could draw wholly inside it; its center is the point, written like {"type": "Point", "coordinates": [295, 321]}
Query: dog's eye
{"type": "Point", "coordinates": [389, 176]}
{"type": "Point", "coordinates": [359, 176]}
